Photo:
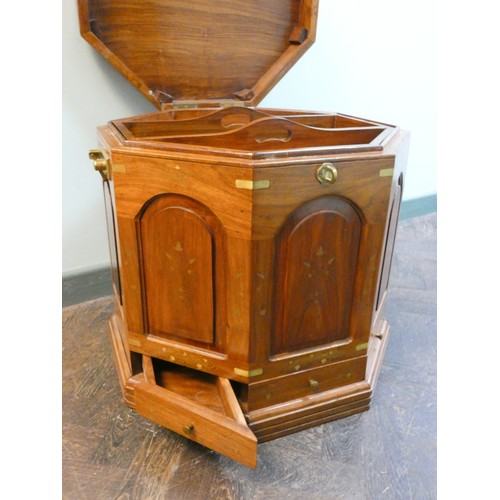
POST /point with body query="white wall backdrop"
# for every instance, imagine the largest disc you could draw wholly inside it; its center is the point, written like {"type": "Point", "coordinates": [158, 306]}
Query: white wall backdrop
{"type": "Point", "coordinates": [371, 59]}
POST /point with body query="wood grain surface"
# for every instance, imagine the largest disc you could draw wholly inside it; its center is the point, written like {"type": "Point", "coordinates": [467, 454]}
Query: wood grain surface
{"type": "Point", "coordinates": [180, 268]}
{"type": "Point", "coordinates": [111, 452]}
{"type": "Point", "coordinates": [316, 264]}
{"type": "Point", "coordinates": [177, 50]}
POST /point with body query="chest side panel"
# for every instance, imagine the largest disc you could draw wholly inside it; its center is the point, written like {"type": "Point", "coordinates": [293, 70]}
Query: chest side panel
{"type": "Point", "coordinates": [109, 205]}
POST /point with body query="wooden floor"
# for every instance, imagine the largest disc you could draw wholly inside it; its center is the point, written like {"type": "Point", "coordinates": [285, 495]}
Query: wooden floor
{"type": "Point", "coordinates": [389, 452]}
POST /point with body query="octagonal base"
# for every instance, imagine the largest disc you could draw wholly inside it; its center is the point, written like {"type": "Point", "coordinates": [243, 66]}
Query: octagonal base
{"type": "Point", "coordinates": [282, 419]}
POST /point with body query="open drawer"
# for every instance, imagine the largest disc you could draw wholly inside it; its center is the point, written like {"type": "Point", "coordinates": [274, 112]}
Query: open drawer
{"type": "Point", "coordinates": [197, 405]}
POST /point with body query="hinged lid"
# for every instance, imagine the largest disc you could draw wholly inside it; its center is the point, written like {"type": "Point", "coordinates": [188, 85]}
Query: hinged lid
{"type": "Point", "coordinates": [177, 51]}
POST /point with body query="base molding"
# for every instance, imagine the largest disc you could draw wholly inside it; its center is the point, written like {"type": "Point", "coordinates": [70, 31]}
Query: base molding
{"type": "Point", "coordinates": [293, 416]}
{"type": "Point", "coordinates": [287, 417]}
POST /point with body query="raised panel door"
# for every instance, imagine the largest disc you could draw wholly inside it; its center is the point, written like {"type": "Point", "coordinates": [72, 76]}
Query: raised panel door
{"type": "Point", "coordinates": [182, 272]}
{"type": "Point", "coordinates": [316, 262]}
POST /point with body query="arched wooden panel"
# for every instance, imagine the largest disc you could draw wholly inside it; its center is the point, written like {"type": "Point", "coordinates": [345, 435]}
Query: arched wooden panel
{"type": "Point", "coordinates": [179, 240]}
{"type": "Point", "coordinates": [316, 261]}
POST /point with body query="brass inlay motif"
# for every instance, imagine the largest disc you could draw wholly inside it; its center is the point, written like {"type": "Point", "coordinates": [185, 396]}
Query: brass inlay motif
{"type": "Point", "coordinates": [137, 343]}
{"type": "Point", "coordinates": [252, 185]}
{"type": "Point", "coordinates": [252, 373]}
{"type": "Point", "coordinates": [118, 168]}
{"type": "Point", "coordinates": [386, 172]}
{"type": "Point", "coordinates": [362, 347]}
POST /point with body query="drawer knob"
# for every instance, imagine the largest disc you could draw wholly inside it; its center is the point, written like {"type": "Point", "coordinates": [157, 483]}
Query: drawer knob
{"type": "Point", "coordinates": [326, 174]}
{"type": "Point", "coordinates": [314, 384]}
{"type": "Point", "coordinates": [188, 429]}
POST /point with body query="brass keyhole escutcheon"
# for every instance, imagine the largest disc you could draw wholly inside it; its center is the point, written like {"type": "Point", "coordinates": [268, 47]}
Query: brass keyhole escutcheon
{"type": "Point", "coordinates": [314, 384]}
{"type": "Point", "coordinates": [326, 173]}
{"type": "Point", "coordinates": [188, 429]}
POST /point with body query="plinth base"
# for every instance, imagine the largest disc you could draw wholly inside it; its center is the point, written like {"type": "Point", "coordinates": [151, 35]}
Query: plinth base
{"type": "Point", "coordinates": [294, 416]}
{"type": "Point", "coordinates": [289, 416]}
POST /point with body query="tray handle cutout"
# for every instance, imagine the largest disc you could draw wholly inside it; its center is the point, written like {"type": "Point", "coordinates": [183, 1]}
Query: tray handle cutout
{"type": "Point", "coordinates": [276, 135]}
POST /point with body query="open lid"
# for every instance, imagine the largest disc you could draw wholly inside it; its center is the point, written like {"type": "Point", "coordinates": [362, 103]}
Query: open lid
{"type": "Point", "coordinates": [179, 52]}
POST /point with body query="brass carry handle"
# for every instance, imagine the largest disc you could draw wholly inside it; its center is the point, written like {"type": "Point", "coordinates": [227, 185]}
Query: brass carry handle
{"type": "Point", "coordinates": [101, 162]}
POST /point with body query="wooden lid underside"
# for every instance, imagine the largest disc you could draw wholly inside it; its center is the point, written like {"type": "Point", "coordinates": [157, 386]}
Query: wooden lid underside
{"type": "Point", "coordinates": [173, 50]}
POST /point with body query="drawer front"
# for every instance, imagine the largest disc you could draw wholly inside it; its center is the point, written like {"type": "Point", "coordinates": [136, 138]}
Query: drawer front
{"type": "Point", "coordinates": [195, 421]}
{"type": "Point", "coordinates": [305, 383]}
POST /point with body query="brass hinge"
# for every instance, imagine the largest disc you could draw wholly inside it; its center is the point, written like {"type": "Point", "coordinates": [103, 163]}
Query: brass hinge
{"type": "Point", "coordinates": [101, 163]}
{"type": "Point", "coordinates": [206, 104]}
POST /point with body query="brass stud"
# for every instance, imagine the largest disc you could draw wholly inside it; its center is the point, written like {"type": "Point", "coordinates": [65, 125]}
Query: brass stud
{"type": "Point", "coordinates": [314, 384]}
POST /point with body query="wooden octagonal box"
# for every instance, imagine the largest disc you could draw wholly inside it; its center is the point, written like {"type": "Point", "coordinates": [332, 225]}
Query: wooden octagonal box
{"type": "Point", "coordinates": [250, 248]}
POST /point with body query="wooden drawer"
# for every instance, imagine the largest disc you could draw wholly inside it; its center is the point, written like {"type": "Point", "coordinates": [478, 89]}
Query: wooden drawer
{"type": "Point", "coordinates": [197, 405]}
{"type": "Point", "coordinates": [305, 383]}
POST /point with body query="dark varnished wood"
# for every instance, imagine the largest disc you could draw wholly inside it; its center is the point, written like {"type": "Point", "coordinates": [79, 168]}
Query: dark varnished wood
{"type": "Point", "coordinates": [109, 451]}
{"type": "Point", "coordinates": [180, 50]}
{"type": "Point", "coordinates": [181, 245]}
{"type": "Point", "coordinates": [270, 137]}
{"type": "Point", "coordinates": [173, 124]}
{"type": "Point", "coordinates": [193, 404]}
{"type": "Point", "coordinates": [316, 264]}
{"type": "Point", "coordinates": [304, 383]}
{"type": "Point", "coordinates": [246, 280]}
{"type": "Point", "coordinates": [192, 384]}
{"type": "Point", "coordinates": [290, 373]}
{"type": "Point", "coordinates": [250, 264]}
